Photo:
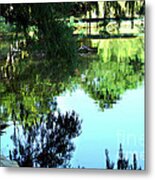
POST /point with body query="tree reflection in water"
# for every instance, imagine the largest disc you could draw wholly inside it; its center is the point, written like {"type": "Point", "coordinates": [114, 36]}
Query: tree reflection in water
{"type": "Point", "coordinates": [122, 163]}
{"type": "Point", "coordinates": [120, 67]}
{"type": "Point", "coordinates": [30, 85]}
{"type": "Point", "coordinates": [47, 142]}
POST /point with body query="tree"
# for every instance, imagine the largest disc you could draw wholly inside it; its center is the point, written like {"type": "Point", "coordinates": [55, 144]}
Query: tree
{"type": "Point", "coordinates": [119, 69]}
{"type": "Point", "coordinates": [47, 142]}
{"type": "Point", "coordinates": [49, 20]}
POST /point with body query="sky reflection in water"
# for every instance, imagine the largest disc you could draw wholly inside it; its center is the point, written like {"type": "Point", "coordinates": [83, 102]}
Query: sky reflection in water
{"type": "Point", "coordinates": [124, 123]}
{"type": "Point", "coordinates": [106, 93]}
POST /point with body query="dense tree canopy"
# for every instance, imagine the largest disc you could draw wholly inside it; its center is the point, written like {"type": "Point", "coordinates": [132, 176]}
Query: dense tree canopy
{"type": "Point", "coordinates": [48, 21]}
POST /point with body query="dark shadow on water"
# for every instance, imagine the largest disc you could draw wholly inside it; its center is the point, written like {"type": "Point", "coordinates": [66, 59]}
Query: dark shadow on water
{"type": "Point", "coordinates": [46, 142]}
{"type": "Point", "coordinates": [122, 163]}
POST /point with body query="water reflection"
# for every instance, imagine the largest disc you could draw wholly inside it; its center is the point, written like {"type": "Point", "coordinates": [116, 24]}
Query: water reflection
{"type": "Point", "coordinates": [30, 87]}
{"type": "Point", "coordinates": [121, 67]}
{"type": "Point", "coordinates": [118, 66]}
{"type": "Point", "coordinates": [122, 162]}
{"type": "Point", "coordinates": [123, 123]}
{"type": "Point", "coordinates": [47, 142]}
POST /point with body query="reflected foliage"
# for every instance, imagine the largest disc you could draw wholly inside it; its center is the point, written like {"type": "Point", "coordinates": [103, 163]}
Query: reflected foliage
{"type": "Point", "coordinates": [27, 80]}
{"type": "Point", "coordinates": [122, 163]}
{"type": "Point", "coordinates": [121, 67]}
{"type": "Point", "coordinates": [47, 142]}
{"type": "Point", "coordinates": [40, 63]}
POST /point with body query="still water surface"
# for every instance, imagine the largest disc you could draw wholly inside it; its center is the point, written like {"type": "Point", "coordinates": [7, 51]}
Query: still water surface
{"type": "Point", "coordinates": [122, 124]}
{"type": "Point", "coordinates": [106, 92]}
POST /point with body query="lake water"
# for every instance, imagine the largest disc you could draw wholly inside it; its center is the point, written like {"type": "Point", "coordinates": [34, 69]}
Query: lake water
{"type": "Point", "coordinates": [122, 124]}
{"type": "Point", "coordinates": [105, 91]}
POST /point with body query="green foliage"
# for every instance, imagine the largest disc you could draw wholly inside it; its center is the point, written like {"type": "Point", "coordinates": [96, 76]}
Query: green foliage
{"type": "Point", "coordinates": [121, 67]}
{"type": "Point", "coordinates": [30, 82]}
{"type": "Point", "coordinates": [5, 28]}
{"type": "Point", "coordinates": [4, 48]}
{"type": "Point", "coordinates": [43, 22]}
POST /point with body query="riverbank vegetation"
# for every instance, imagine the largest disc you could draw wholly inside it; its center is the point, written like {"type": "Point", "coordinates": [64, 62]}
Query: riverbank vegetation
{"type": "Point", "coordinates": [50, 49]}
{"type": "Point", "coordinates": [51, 25]}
